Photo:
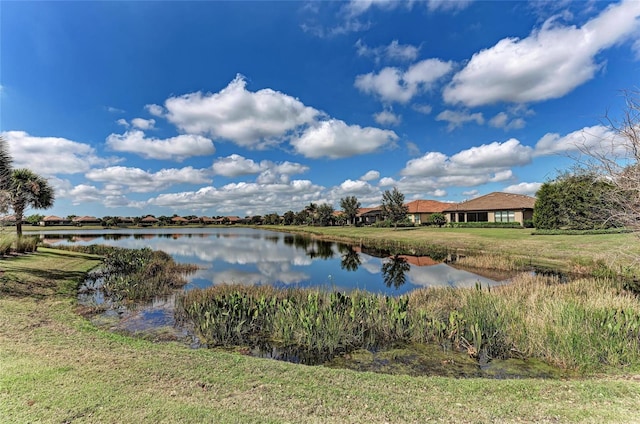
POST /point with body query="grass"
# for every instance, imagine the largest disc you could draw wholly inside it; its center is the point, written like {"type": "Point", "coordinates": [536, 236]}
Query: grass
{"type": "Point", "coordinates": [569, 253]}
{"type": "Point", "coordinates": [587, 325]}
{"type": "Point", "coordinates": [56, 367]}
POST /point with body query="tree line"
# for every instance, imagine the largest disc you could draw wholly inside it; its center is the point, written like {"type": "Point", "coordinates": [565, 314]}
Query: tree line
{"type": "Point", "coordinates": [21, 188]}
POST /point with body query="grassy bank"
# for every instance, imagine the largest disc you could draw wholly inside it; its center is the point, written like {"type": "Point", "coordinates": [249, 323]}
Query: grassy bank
{"type": "Point", "coordinates": [56, 367]}
{"type": "Point", "coordinates": [569, 253]}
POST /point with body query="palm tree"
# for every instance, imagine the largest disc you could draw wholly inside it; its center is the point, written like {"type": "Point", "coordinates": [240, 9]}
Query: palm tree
{"type": "Point", "coordinates": [350, 206]}
{"type": "Point", "coordinates": [5, 174]}
{"type": "Point", "coordinates": [28, 189]}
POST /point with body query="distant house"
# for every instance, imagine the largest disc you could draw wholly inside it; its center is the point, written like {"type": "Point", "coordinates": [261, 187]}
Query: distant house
{"type": "Point", "coordinates": [125, 220]}
{"type": "Point", "coordinates": [179, 220]}
{"type": "Point", "coordinates": [369, 215]}
{"type": "Point", "coordinates": [54, 220]}
{"type": "Point", "coordinates": [149, 220]}
{"type": "Point", "coordinates": [86, 220]}
{"type": "Point", "coordinates": [206, 220]}
{"type": "Point", "coordinates": [419, 211]}
{"type": "Point", "coordinates": [7, 220]}
{"type": "Point", "coordinates": [493, 207]}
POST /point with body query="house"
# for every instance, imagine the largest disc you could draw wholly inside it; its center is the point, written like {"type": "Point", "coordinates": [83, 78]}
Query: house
{"type": "Point", "coordinates": [369, 215]}
{"type": "Point", "coordinates": [86, 220]}
{"type": "Point", "coordinates": [492, 207]}
{"type": "Point", "coordinates": [206, 220]}
{"type": "Point", "coordinates": [7, 220]}
{"type": "Point", "coordinates": [54, 220]}
{"type": "Point", "coordinates": [178, 220]}
{"type": "Point", "coordinates": [149, 220]}
{"type": "Point", "coordinates": [419, 211]}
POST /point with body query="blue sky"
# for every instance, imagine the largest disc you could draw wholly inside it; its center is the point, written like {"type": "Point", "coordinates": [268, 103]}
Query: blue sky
{"type": "Point", "coordinates": [245, 108]}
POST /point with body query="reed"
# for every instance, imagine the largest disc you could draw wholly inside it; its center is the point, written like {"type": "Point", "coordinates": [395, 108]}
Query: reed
{"type": "Point", "coordinates": [137, 275]}
{"type": "Point", "coordinates": [583, 325]}
{"type": "Point", "coordinates": [6, 243]}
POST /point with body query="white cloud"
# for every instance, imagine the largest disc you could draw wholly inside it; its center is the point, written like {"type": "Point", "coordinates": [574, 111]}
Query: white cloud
{"type": "Point", "coordinates": [447, 5]}
{"type": "Point", "coordinates": [140, 181]}
{"type": "Point", "coordinates": [254, 197]}
{"type": "Point", "coordinates": [509, 153]}
{"type": "Point", "coordinates": [457, 118]}
{"type": "Point", "coordinates": [501, 120]}
{"type": "Point", "coordinates": [249, 119]}
{"type": "Point", "coordinates": [387, 117]}
{"type": "Point", "coordinates": [176, 148]}
{"type": "Point", "coordinates": [370, 175]}
{"type": "Point", "coordinates": [36, 153]}
{"type": "Point", "coordinates": [597, 138]}
{"type": "Point", "coordinates": [549, 63]}
{"type": "Point", "coordinates": [335, 139]}
{"type": "Point", "coordinates": [467, 168]}
{"type": "Point", "coordinates": [155, 110]}
{"type": "Point", "coordinates": [528, 189]}
{"type": "Point", "coordinates": [143, 124]}
{"type": "Point", "coordinates": [112, 109]}
{"type": "Point", "coordinates": [270, 172]}
{"type": "Point", "coordinates": [393, 85]}
{"type": "Point", "coordinates": [393, 52]}
{"type": "Point", "coordinates": [235, 165]}
{"type": "Point", "coordinates": [425, 109]}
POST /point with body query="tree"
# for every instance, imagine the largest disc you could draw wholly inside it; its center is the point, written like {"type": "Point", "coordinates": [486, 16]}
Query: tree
{"type": "Point", "coordinates": [394, 271]}
{"type": "Point", "coordinates": [437, 218]}
{"type": "Point", "coordinates": [312, 211]}
{"type": "Point", "coordinates": [614, 156]}
{"type": "Point", "coordinates": [289, 217]}
{"type": "Point", "coordinates": [393, 207]}
{"type": "Point", "coordinates": [6, 168]}
{"type": "Point", "coordinates": [325, 214]}
{"type": "Point", "coordinates": [350, 206]}
{"type": "Point", "coordinates": [27, 189]}
{"type": "Point", "coordinates": [34, 219]}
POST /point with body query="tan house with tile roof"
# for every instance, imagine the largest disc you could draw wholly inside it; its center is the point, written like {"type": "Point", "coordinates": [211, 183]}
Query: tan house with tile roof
{"type": "Point", "coordinates": [493, 207]}
{"type": "Point", "coordinates": [419, 211]}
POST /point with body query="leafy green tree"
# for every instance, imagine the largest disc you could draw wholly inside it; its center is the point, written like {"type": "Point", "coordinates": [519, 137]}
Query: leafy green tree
{"type": "Point", "coordinates": [325, 214]}
{"type": "Point", "coordinates": [256, 219]}
{"type": "Point", "coordinates": [34, 219]}
{"type": "Point", "coordinates": [437, 218]}
{"type": "Point", "coordinates": [272, 219]}
{"type": "Point", "coordinates": [393, 207]}
{"type": "Point", "coordinates": [28, 189]}
{"type": "Point", "coordinates": [577, 200]}
{"type": "Point", "coordinates": [312, 212]}
{"type": "Point", "coordinates": [301, 217]}
{"type": "Point", "coordinates": [289, 217]}
{"type": "Point", "coordinates": [6, 168]}
{"type": "Point", "coordinates": [350, 206]}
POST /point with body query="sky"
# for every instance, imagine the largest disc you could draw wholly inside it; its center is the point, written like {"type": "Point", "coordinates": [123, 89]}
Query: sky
{"type": "Point", "coordinates": [245, 108]}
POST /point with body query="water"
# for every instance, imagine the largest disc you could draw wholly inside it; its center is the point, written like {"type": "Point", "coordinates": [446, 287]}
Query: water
{"type": "Point", "coordinates": [250, 256]}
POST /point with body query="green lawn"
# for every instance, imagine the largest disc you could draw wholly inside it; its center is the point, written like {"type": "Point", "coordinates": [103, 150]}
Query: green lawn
{"type": "Point", "coordinates": [56, 367]}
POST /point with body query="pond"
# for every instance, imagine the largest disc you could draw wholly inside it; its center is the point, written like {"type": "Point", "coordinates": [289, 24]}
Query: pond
{"type": "Point", "coordinates": [252, 256]}
{"type": "Point", "coordinates": [259, 257]}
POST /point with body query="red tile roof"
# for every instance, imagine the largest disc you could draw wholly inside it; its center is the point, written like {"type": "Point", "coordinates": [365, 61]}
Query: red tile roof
{"type": "Point", "coordinates": [427, 206]}
{"type": "Point", "coordinates": [494, 202]}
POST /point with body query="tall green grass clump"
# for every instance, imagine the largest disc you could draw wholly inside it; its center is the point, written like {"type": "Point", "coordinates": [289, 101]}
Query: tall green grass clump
{"type": "Point", "coordinates": [583, 325]}
{"type": "Point", "coordinates": [136, 275]}
{"type": "Point", "coordinates": [6, 243]}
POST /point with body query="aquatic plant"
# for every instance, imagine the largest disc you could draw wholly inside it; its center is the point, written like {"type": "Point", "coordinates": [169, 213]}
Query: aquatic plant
{"type": "Point", "coordinates": [581, 325]}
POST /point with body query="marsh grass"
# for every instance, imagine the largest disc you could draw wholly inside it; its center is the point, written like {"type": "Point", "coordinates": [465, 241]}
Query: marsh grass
{"type": "Point", "coordinates": [135, 275]}
{"type": "Point", "coordinates": [586, 325]}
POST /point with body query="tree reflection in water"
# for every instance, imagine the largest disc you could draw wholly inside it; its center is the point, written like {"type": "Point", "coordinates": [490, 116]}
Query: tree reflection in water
{"type": "Point", "coordinates": [350, 259]}
{"type": "Point", "coordinates": [394, 271]}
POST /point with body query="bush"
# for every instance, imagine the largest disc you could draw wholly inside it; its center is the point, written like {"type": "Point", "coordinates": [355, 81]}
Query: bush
{"type": "Point", "coordinates": [485, 225]}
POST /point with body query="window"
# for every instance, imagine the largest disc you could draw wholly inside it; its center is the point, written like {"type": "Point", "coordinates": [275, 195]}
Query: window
{"type": "Point", "coordinates": [477, 217]}
{"type": "Point", "coordinates": [505, 216]}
